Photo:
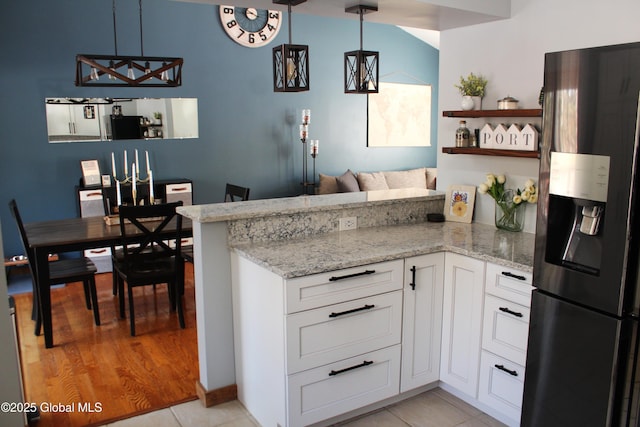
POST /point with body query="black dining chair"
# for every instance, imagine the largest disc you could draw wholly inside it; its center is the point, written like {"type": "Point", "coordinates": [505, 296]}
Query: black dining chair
{"type": "Point", "coordinates": [235, 193]}
{"type": "Point", "coordinates": [60, 271]}
{"type": "Point", "coordinates": [156, 259]}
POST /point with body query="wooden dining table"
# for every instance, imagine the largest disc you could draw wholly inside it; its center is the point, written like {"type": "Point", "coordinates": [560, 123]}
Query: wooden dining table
{"type": "Point", "coordinates": [72, 235]}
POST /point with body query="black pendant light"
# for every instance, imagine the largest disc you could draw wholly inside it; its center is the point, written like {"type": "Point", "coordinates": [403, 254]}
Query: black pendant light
{"type": "Point", "coordinates": [361, 66]}
{"type": "Point", "coordinates": [290, 61]}
{"type": "Point", "coordinates": [136, 71]}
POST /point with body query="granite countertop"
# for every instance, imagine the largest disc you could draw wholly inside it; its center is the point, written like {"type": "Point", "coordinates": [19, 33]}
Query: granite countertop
{"type": "Point", "coordinates": [344, 249]}
{"type": "Point", "coordinates": [216, 212]}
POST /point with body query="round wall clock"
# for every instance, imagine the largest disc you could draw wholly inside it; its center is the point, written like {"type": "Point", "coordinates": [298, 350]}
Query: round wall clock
{"type": "Point", "coordinates": [250, 27]}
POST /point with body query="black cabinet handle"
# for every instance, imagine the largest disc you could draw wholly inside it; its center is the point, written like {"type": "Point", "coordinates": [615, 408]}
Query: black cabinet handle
{"type": "Point", "coordinates": [513, 313]}
{"type": "Point", "coordinates": [508, 371]}
{"type": "Point", "coordinates": [513, 276]}
{"type": "Point", "coordinates": [348, 276]}
{"type": "Point", "coordinates": [365, 363]}
{"type": "Point", "coordinates": [342, 313]}
{"type": "Point", "coordinates": [413, 279]}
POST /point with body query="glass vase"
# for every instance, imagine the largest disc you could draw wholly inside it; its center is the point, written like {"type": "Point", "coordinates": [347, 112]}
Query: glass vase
{"type": "Point", "coordinates": [509, 215]}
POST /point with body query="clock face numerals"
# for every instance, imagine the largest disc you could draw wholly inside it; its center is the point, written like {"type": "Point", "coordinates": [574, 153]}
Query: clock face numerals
{"type": "Point", "coordinates": [250, 27]}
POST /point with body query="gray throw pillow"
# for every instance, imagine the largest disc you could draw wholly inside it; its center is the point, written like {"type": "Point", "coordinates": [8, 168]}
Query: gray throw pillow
{"type": "Point", "coordinates": [347, 182]}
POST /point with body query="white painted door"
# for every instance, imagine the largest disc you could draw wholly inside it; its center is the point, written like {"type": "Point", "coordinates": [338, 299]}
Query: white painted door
{"type": "Point", "coordinates": [422, 320]}
{"type": "Point", "coordinates": [462, 322]}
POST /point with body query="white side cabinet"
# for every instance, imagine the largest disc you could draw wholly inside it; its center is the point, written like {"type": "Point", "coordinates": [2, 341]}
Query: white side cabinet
{"type": "Point", "coordinates": [314, 347]}
{"type": "Point", "coordinates": [462, 322]}
{"type": "Point", "coordinates": [422, 320]}
{"type": "Point", "coordinates": [504, 340]}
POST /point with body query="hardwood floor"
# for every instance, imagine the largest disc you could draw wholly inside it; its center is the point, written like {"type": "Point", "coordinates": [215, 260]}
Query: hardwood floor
{"type": "Point", "coordinates": [102, 367]}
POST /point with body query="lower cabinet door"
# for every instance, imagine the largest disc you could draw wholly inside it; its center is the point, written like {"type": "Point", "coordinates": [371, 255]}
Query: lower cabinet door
{"type": "Point", "coordinates": [101, 257]}
{"type": "Point", "coordinates": [330, 390]}
{"type": "Point", "coordinates": [501, 384]}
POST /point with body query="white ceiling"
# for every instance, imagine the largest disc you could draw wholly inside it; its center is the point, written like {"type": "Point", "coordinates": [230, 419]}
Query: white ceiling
{"type": "Point", "coordinates": [435, 15]}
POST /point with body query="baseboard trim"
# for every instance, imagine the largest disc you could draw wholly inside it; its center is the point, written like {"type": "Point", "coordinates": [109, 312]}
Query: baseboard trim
{"type": "Point", "coordinates": [215, 397]}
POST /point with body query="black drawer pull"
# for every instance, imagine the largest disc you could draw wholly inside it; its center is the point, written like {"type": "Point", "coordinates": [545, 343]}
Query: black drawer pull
{"type": "Point", "coordinates": [365, 363]}
{"type": "Point", "coordinates": [413, 279]}
{"type": "Point", "coordinates": [349, 276]}
{"type": "Point", "coordinates": [508, 371]}
{"type": "Point", "coordinates": [366, 307]}
{"type": "Point", "coordinates": [513, 276]}
{"type": "Point", "coordinates": [513, 313]}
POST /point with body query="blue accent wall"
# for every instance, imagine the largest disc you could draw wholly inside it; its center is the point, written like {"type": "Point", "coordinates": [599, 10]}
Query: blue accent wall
{"type": "Point", "coordinates": [248, 133]}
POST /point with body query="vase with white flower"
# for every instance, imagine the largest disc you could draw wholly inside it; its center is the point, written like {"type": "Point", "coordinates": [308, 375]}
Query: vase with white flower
{"type": "Point", "coordinates": [510, 204]}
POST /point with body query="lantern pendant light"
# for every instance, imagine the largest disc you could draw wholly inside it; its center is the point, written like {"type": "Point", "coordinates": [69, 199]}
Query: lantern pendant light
{"type": "Point", "coordinates": [290, 61]}
{"type": "Point", "coordinates": [361, 66]}
{"type": "Point", "coordinates": [121, 70]}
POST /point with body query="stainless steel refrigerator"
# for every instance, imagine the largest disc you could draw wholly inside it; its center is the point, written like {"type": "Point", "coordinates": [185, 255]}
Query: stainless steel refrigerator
{"type": "Point", "coordinates": [582, 360]}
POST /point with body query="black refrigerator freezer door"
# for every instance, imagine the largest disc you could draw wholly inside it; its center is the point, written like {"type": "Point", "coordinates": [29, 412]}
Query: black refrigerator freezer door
{"type": "Point", "coordinates": [576, 366]}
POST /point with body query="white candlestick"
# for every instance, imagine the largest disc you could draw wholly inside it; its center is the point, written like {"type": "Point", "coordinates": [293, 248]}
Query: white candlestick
{"type": "Point", "coordinates": [126, 168]}
{"type": "Point", "coordinates": [113, 165]}
{"type": "Point", "coordinates": [146, 154]}
{"type": "Point", "coordinates": [151, 196]}
{"type": "Point", "coordinates": [134, 191]}
{"type": "Point", "coordinates": [118, 193]}
{"type": "Point", "coordinates": [137, 172]}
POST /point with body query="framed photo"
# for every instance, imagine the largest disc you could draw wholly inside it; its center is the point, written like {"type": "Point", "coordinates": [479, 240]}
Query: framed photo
{"type": "Point", "coordinates": [91, 172]}
{"type": "Point", "coordinates": [89, 112]}
{"type": "Point", "coordinates": [459, 202]}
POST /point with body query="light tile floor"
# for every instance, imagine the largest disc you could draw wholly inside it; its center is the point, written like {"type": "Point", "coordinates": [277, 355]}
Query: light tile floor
{"type": "Point", "coordinates": [434, 408]}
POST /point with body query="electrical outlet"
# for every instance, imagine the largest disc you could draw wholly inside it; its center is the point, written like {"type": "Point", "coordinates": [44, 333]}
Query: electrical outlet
{"type": "Point", "coordinates": [348, 223]}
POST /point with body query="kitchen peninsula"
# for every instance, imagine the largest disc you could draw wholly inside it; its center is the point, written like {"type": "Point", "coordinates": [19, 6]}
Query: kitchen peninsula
{"type": "Point", "coordinates": [294, 239]}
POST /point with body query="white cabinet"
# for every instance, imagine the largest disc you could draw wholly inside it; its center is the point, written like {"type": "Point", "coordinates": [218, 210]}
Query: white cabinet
{"type": "Point", "coordinates": [504, 340]}
{"type": "Point", "coordinates": [422, 320]}
{"type": "Point", "coordinates": [71, 119]}
{"type": "Point", "coordinates": [314, 347]}
{"type": "Point", "coordinates": [462, 322]}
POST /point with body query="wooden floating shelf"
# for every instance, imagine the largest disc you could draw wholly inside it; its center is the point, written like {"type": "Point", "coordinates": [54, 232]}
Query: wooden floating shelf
{"type": "Point", "coordinates": [491, 152]}
{"type": "Point", "coordinates": [531, 112]}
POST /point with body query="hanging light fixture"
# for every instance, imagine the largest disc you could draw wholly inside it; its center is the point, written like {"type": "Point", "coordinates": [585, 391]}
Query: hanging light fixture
{"type": "Point", "coordinates": [152, 71]}
{"type": "Point", "coordinates": [290, 61]}
{"type": "Point", "coordinates": [361, 66]}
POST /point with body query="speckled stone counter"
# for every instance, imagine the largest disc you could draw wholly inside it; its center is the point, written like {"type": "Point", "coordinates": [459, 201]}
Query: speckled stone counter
{"type": "Point", "coordinates": [334, 251]}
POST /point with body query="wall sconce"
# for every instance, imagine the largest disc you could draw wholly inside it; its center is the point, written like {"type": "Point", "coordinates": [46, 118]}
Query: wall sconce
{"type": "Point", "coordinates": [361, 66]}
{"type": "Point", "coordinates": [152, 71]}
{"type": "Point", "coordinates": [290, 61]}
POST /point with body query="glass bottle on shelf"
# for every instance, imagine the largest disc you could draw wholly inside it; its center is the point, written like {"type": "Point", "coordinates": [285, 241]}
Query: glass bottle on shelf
{"type": "Point", "coordinates": [462, 135]}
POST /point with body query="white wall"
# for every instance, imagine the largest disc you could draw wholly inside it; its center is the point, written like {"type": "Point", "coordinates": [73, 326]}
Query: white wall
{"type": "Point", "coordinates": [510, 54]}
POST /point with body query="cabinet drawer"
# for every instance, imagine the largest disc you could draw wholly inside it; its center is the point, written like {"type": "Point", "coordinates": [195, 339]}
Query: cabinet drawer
{"type": "Point", "coordinates": [510, 284]}
{"type": "Point", "coordinates": [331, 390]}
{"type": "Point", "coordinates": [179, 192]}
{"type": "Point", "coordinates": [505, 329]}
{"type": "Point", "coordinates": [101, 257]}
{"type": "Point", "coordinates": [501, 385]}
{"type": "Point", "coordinates": [324, 335]}
{"type": "Point", "coordinates": [343, 285]}
{"type": "Point", "coordinates": [91, 203]}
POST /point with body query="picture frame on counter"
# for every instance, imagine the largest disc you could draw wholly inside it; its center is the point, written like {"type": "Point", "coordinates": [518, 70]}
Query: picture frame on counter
{"type": "Point", "coordinates": [90, 172]}
{"type": "Point", "coordinates": [459, 203]}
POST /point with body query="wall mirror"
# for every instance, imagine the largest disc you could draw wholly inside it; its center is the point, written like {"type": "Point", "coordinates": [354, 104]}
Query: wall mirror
{"type": "Point", "coordinates": [107, 119]}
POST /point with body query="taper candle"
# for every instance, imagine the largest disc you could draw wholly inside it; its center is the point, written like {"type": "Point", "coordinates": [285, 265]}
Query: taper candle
{"type": "Point", "coordinates": [151, 195]}
{"type": "Point", "coordinates": [118, 193]}
{"type": "Point", "coordinates": [146, 155]}
{"type": "Point", "coordinates": [113, 165]}
{"type": "Point", "coordinates": [137, 172]}
{"type": "Point", "coordinates": [134, 190]}
{"type": "Point", "coordinates": [126, 163]}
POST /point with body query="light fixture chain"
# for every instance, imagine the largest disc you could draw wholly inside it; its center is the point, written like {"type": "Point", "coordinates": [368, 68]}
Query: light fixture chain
{"type": "Point", "coordinates": [141, 44]}
{"type": "Point", "coordinates": [115, 37]}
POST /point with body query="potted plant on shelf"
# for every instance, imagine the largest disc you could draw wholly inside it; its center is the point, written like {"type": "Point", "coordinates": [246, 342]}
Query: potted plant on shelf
{"type": "Point", "coordinates": [157, 118]}
{"type": "Point", "coordinates": [472, 91]}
